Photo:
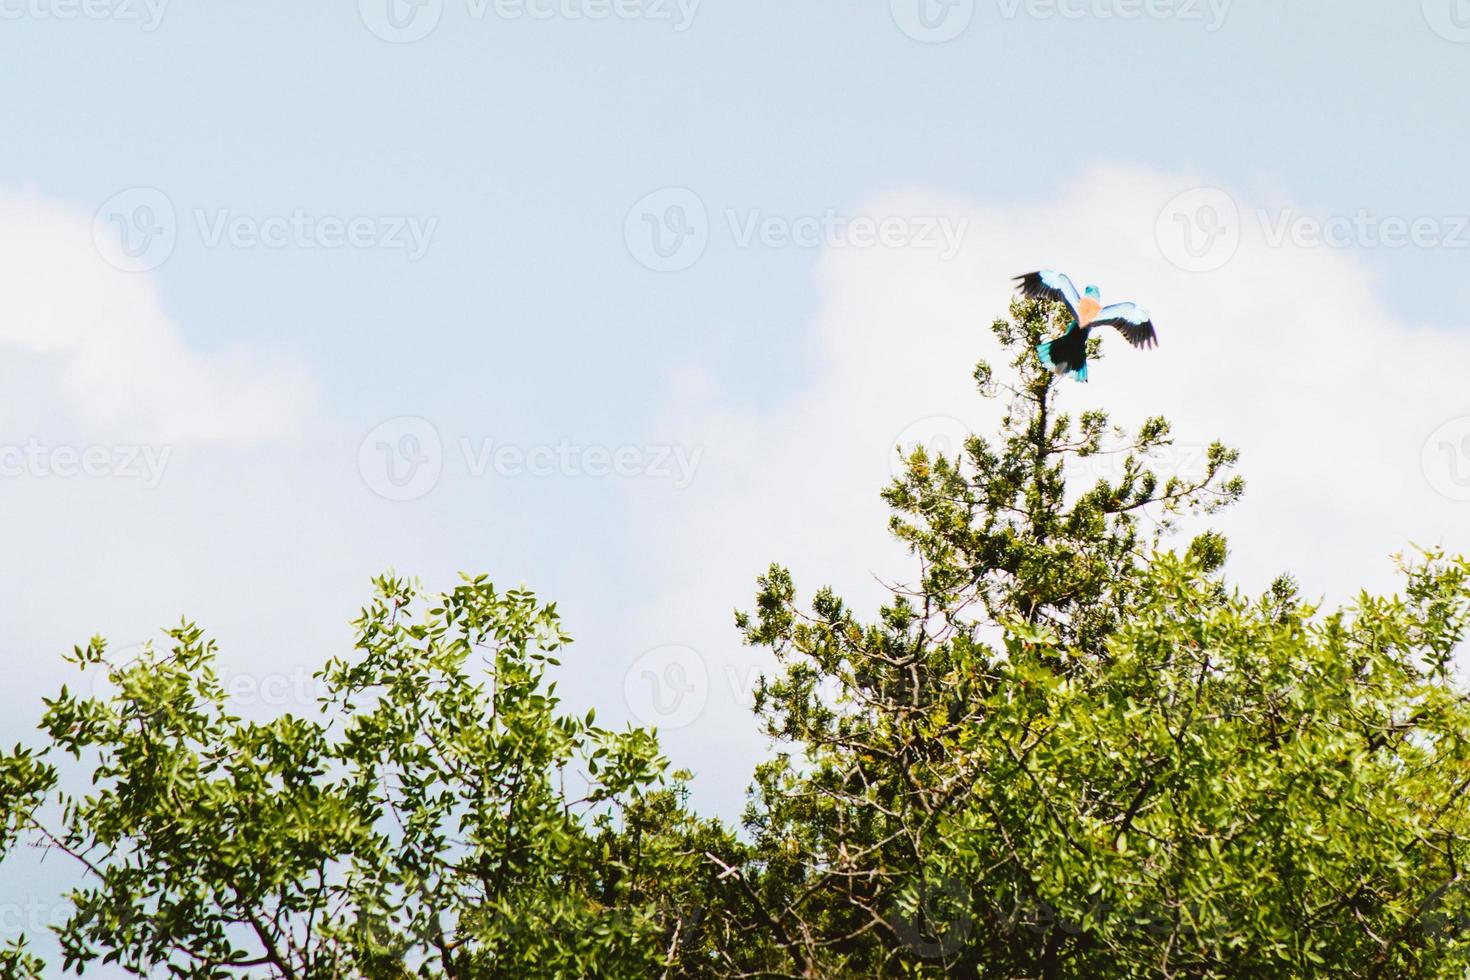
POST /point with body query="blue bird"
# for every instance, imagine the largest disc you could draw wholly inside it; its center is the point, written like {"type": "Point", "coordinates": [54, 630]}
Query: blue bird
{"type": "Point", "coordinates": [1068, 353]}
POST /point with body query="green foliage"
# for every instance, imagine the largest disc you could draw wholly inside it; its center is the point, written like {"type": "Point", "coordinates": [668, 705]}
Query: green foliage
{"type": "Point", "coordinates": [1060, 751]}
{"type": "Point", "coordinates": [419, 826]}
{"type": "Point", "coordinates": [1065, 753]}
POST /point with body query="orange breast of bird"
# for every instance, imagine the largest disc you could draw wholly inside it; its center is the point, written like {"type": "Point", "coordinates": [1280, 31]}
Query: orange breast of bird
{"type": "Point", "coordinates": [1087, 310]}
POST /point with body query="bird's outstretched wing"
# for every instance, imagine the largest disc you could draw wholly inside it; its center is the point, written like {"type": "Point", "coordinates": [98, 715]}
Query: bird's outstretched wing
{"type": "Point", "coordinates": [1047, 284]}
{"type": "Point", "coordinates": [1132, 322]}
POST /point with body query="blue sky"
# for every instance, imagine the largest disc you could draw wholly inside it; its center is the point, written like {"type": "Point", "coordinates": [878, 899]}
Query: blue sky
{"type": "Point", "coordinates": [1046, 133]}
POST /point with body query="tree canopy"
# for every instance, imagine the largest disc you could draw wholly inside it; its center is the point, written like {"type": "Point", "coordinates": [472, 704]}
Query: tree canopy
{"type": "Point", "coordinates": [1061, 749]}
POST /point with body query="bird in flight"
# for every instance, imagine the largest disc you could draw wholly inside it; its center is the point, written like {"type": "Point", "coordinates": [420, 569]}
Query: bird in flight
{"type": "Point", "coordinates": [1068, 353]}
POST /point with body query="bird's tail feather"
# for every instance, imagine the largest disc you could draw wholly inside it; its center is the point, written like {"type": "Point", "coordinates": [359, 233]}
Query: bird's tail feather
{"type": "Point", "coordinates": [1043, 351]}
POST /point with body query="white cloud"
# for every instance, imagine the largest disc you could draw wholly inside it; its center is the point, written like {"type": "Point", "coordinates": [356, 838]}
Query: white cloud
{"type": "Point", "coordinates": [1285, 353]}
{"type": "Point", "coordinates": [122, 363]}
